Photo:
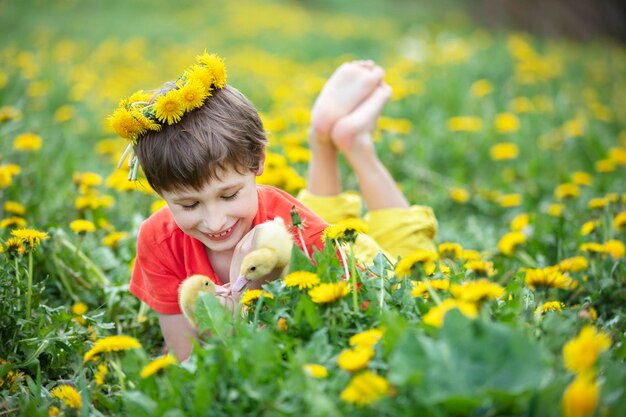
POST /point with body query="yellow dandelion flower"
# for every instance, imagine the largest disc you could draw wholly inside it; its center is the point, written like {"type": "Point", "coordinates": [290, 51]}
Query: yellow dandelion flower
{"type": "Point", "coordinates": [521, 105]}
{"type": "Point", "coordinates": [581, 353]}
{"type": "Point", "coordinates": [582, 178]}
{"type": "Point", "coordinates": [619, 221]}
{"type": "Point", "coordinates": [574, 264]}
{"type": "Point", "coordinates": [366, 338]}
{"type": "Point", "coordinates": [506, 123]}
{"type": "Point", "coordinates": [556, 210]}
{"type": "Point", "coordinates": [567, 190]}
{"type": "Point", "coordinates": [604, 166]}
{"type": "Point", "coordinates": [12, 222]}
{"type": "Point", "coordinates": [9, 112]}
{"type": "Point", "coordinates": [618, 155]}
{"type": "Point", "coordinates": [355, 359]}
{"type": "Point", "coordinates": [406, 265]}
{"type": "Point", "coordinates": [588, 227]}
{"type": "Point", "coordinates": [31, 237]}
{"type": "Point", "coordinates": [192, 95]}
{"type": "Point", "coordinates": [470, 255]}
{"type": "Point", "coordinates": [315, 370]}
{"type": "Point", "coordinates": [64, 113]}
{"type": "Point", "coordinates": [519, 222]}
{"type": "Point", "coordinates": [113, 239]}
{"type": "Point", "coordinates": [459, 195]}
{"type": "Point", "coordinates": [157, 365]}
{"type": "Point", "coordinates": [27, 142]}
{"type": "Point", "coordinates": [250, 296]}
{"type": "Point", "coordinates": [302, 279]}
{"type": "Point", "coordinates": [81, 226]}
{"type": "Point", "coordinates": [592, 247]}
{"type": "Point", "coordinates": [449, 250]}
{"type": "Point", "coordinates": [510, 241]}
{"type": "Point", "coordinates": [615, 248]}
{"type": "Point", "coordinates": [420, 288]}
{"type": "Point", "coordinates": [550, 277]}
{"type": "Point", "coordinates": [504, 151]}
{"type": "Point", "coordinates": [53, 411]}
{"type": "Point", "coordinates": [109, 147]}
{"type": "Point", "coordinates": [125, 124]}
{"type": "Point", "coordinates": [329, 292]}
{"type": "Point", "coordinates": [580, 398]}
{"type": "Point", "coordinates": [465, 124]}
{"type": "Point", "coordinates": [101, 374]}
{"type": "Point", "coordinates": [550, 306]}
{"type": "Point", "coordinates": [14, 247]}
{"type": "Point", "coordinates": [203, 75]}
{"type": "Point", "coordinates": [87, 179]}
{"type": "Point", "coordinates": [436, 314]}
{"type": "Point", "coordinates": [79, 308]}
{"type": "Point", "coordinates": [480, 267]}
{"type": "Point", "coordinates": [169, 108]}
{"type": "Point", "coordinates": [345, 230]}
{"type": "Point", "coordinates": [68, 395]}
{"type": "Point", "coordinates": [111, 344]}
{"type": "Point", "coordinates": [481, 88]}
{"type": "Point", "coordinates": [14, 207]}
{"type": "Point", "coordinates": [281, 324]}
{"type": "Point", "coordinates": [476, 291]}
{"type": "Point", "coordinates": [597, 203]}
{"type": "Point", "coordinates": [216, 67]}
{"type": "Point", "coordinates": [510, 200]}
{"type": "Point", "coordinates": [365, 388]}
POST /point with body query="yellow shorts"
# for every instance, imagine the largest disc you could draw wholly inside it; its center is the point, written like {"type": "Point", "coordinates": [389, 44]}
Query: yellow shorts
{"type": "Point", "coordinates": [395, 231]}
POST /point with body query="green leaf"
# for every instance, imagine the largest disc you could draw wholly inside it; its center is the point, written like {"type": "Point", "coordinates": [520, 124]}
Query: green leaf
{"type": "Point", "coordinates": [308, 309]}
{"type": "Point", "coordinates": [213, 317]}
{"type": "Point", "coordinates": [137, 403]}
{"type": "Point", "coordinates": [470, 360]}
{"type": "Point", "coordinates": [299, 261]}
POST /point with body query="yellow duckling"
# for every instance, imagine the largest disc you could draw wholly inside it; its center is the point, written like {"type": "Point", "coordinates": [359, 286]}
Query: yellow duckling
{"type": "Point", "coordinates": [273, 243]}
{"type": "Point", "coordinates": [188, 292]}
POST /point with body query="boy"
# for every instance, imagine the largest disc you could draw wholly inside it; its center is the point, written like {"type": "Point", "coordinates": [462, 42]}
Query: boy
{"type": "Point", "coordinates": [204, 162]}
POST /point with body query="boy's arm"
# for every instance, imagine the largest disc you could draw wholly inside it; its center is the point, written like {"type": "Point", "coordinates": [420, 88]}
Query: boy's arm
{"type": "Point", "coordinates": [178, 334]}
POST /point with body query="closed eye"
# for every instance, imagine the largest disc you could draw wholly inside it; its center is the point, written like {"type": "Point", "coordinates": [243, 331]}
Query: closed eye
{"type": "Point", "coordinates": [189, 206]}
{"type": "Point", "coordinates": [231, 196]}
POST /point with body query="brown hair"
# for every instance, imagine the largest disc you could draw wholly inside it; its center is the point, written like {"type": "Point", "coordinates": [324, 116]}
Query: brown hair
{"type": "Point", "coordinates": [226, 132]}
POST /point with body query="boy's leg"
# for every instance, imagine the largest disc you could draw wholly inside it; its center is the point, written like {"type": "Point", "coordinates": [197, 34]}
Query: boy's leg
{"type": "Point", "coordinates": [396, 227]}
{"type": "Point", "coordinates": [344, 91]}
{"type": "Point", "coordinates": [353, 135]}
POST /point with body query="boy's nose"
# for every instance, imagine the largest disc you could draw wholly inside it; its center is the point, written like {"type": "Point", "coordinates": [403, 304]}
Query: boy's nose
{"type": "Point", "coordinates": [215, 221]}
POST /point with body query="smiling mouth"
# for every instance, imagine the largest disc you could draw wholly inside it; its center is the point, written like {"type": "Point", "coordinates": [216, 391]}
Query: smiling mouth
{"type": "Point", "coordinates": [222, 235]}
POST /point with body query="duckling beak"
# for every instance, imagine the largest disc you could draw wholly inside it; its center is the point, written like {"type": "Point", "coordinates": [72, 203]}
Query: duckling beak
{"type": "Point", "coordinates": [240, 284]}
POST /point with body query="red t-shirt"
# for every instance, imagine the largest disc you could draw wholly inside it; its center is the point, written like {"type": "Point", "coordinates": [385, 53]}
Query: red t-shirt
{"type": "Point", "coordinates": [166, 255]}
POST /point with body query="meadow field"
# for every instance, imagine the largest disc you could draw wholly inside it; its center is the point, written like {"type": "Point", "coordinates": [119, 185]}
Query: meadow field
{"type": "Point", "coordinates": [517, 142]}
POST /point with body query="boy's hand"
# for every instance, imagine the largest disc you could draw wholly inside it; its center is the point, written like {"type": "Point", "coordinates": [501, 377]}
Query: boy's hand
{"type": "Point", "coordinates": [243, 248]}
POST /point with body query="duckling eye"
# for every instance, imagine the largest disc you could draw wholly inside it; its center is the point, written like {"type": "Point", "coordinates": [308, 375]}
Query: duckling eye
{"type": "Point", "coordinates": [253, 268]}
{"type": "Point", "coordinates": [206, 283]}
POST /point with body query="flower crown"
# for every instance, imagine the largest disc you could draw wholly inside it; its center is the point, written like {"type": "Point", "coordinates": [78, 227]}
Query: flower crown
{"type": "Point", "coordinates": [148, 111]}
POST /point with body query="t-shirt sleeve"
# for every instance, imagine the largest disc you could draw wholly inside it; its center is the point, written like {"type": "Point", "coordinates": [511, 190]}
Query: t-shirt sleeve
{"type": "Point", "coordinates": [154, 280]}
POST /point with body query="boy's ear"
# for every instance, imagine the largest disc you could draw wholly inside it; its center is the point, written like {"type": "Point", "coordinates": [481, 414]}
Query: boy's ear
{"type": "Point", "coordinates": [261, 167]}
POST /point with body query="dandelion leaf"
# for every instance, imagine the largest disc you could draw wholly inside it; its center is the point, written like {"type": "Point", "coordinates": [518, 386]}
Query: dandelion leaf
{"type": "Point", "coordinates": [212, 316]}
{"type": "Point", "coordinates": [470, 362]}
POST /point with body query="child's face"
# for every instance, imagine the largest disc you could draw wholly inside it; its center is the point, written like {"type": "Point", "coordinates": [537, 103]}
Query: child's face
{"type": "Point", "coordinates": [219, 214]}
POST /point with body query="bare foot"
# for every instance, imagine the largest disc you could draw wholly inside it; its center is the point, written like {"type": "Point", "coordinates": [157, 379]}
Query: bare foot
{"type": "Point", "coordinates": [346, 88]}
{"type": "Point", "coordinates": [354, 131]}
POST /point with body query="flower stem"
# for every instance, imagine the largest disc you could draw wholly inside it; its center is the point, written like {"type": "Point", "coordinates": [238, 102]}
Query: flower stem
{"type": "Point", "coordinates": [18, 284]}
{"type": "Point", "coordinates": [29, 289]}
{"type": "Point", "coordinates": [121, 376]}
{"type": "Point", "coordinates": [355, 296]}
